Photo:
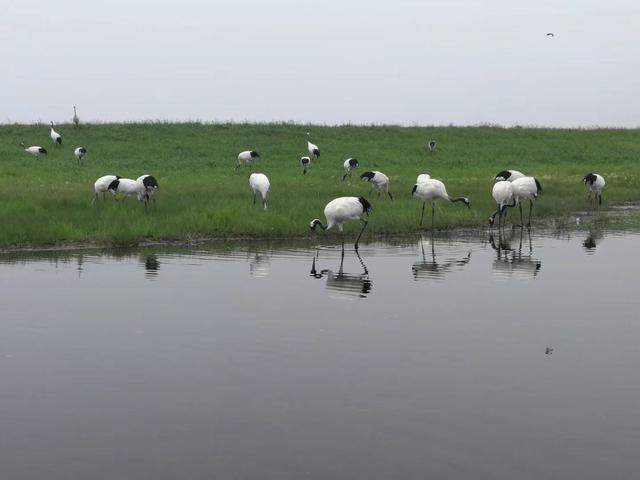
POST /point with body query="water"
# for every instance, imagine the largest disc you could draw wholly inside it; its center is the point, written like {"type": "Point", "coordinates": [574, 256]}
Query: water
{"type": "Point", "coordinates": [421, 358]}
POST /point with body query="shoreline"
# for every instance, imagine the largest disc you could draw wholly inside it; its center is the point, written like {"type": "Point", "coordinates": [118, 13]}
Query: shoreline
{"type": "Point", "coordinates": [614, 213]}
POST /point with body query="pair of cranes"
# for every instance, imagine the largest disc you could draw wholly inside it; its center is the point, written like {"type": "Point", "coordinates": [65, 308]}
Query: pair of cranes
{"type": "Point", "coordinates": [344, 209]}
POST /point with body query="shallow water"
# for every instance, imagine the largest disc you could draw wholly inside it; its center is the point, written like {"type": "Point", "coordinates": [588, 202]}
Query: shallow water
{"type": "Point", "coordinates": [490, 358]}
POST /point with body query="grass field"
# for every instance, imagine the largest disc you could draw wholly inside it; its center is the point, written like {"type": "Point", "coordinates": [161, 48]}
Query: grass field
{"type": "Point", "coordinates": [47, 200]}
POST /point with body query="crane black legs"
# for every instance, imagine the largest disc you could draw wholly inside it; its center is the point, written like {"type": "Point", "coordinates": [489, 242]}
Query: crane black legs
{"type": "Point", "coordinates": [366, 222]}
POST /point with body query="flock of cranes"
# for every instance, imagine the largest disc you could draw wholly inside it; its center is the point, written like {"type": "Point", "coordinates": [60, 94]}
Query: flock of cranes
{"type": "Point", "coordinates": [511, 187]}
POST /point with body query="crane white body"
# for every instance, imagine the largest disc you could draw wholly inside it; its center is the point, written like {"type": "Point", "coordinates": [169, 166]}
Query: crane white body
{"type": "Point", "coordinates": [102, 185]}
{"type": "Point", "coordinates": [150, 185]}
{"type": "Point", "coordinates": [55, 136]}
{"type": "Point", "coordinates": [526, 188]}
{"type": "Point", "coordinates": [349, 164]}
{"type": "Point", "coordinates": [378, 180]}
{"type": "Point", "coordinates": [313, 150]}
{"type": "Point", "coordinates": [423, 177]}
{"type": "Point", "coordinates": [509, 175]}
{"type": "Point", "coordinates": [342, 210]}
{"type": "Point", "coordinates": [503, 195]}
{"type": "Point", "coordinates": [34, 150]}
{"type": "Point", "coordinates": [595, 183]}
{"type": "Point", "coordinates": [80, 152]}
{"type": "Point", "coordinates": [259, 184]}
{"type": "Point", "coordinates": [432, 190]}
{"type": "Point", "coordinates": [245, 158]}
{"type": "Point", "coordinates": [76, 120]}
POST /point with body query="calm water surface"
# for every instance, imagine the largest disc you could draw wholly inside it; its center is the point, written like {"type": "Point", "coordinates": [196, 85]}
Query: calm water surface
{"type": "Point", "coordinates": [483, 358]}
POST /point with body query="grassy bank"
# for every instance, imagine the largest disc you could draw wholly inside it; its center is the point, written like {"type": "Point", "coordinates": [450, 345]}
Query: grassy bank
{"type": "Point", "coordinates": [47, 199]}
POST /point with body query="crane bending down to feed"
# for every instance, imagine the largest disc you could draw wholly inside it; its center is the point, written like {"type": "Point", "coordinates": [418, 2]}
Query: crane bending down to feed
{"type": "Point", "coordinates": [503, 195]}
{"type": "Point", "coordinates": [102, 186]}
{"type": "Point", "coordinates": [431, 190]}
{"type": "Point", "coordinates": [349, 164]}
{"type": "Point", "coordinates": [342, 210]}
{"type": "Point", "coordinates": [595, 183]}
{"type": "Point", "coordinates": [526, 188]}
{"type": "Point", "coordinates": [378, 180]}
{"type": "Point", "coordinates": [259, 184]}
{"type": "Point", "coordinates": [80, 152]}
{"type": "Point", "coordinates": [34, 150]}
{"type": "Point", "coordinates": [246, 157]}
{"type": "Point", "coordinates": [150, 185]}
{"type": "Point", "coordinates": [128, 187]}
{"type": "Point", "coordinates": [509, 175]}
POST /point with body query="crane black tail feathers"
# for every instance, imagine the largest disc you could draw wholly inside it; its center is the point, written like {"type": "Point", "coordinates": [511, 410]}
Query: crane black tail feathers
{"type": "Point", "coordinates": [366, 206]}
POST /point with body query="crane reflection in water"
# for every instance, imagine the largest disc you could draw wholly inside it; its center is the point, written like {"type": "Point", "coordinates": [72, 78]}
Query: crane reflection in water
{"type": "Point", "coordinates": [430, 269]}
{"type": "Point", "coordinates": [341, 284]}
{"type": "Point", "coordinates": [589, 243]}
{"type": "Point", "coordinates": [151, 266]}
{"type": "Point", "coordinates": [511, 262]}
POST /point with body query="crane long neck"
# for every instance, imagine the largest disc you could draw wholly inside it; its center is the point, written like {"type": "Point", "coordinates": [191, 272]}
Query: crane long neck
{"type": "Point", "coordinates": [457, 199]}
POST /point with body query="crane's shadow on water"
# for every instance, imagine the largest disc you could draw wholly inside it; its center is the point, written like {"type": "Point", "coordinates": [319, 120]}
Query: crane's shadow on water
{"type": "Point", "coordinates": [429, 268]}
{"type": "Point", "coordinates": [513, 262]}
{"type": "Point", "coordinates": [341, 284]}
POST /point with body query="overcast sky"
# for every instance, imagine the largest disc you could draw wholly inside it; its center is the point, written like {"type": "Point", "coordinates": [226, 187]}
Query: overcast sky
{"type": "Point", "coordinates": [425, 62]}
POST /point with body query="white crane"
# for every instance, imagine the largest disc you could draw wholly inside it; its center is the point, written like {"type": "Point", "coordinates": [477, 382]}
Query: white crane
{"type": "Point", "coordinates": [423, 177]}
{"type": "Point", "coordinates": [431, 145]}
{"type": "Point", "coordinates": [378, 180]}
{"type": "Point", "coordinates": [76, 120]}
{"type": "Point", "coordinates": [349, 165]}
{"type": "Point", "coordinates": [80, 152]}
{"type": "Point", "coordinates": [34, 150]}
{"type": "Point", "coordinates": [526, 188]}
{"type": "Point", "coordinates": [342, 210]}
{"type": "Point", "coordinates": [128, 187]}
{"type": "Point", "coordinates": [509, 175]}
{"type": "Point", "coordinates": [432, 190]}
{"type": "Point", "coordinates": [314, 151]}
{"type": "Point", "coordinates": [246, 157]}
{"type": "Point", "coordinates": [102, 186]}
{"type": "Point", "coordinates": [150, 185]}
{"type": "Point", "coordinates": [595, 183]}
{"type": "Point", "coordinates": [503, 195]}
{"type": "Point", "coordinates": [259, 184]}
{"type": "Point", "coordinates": [306, 163]}
{"type": "Point", "coordinates": [55, 136]}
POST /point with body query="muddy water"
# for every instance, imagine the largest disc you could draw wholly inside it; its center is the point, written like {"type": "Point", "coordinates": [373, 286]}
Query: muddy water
{"type": "Point", "coordinates": [503, 357]}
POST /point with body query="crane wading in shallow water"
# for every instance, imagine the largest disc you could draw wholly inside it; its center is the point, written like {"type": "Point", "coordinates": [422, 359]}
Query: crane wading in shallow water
{"type": "Point", "coordinates": [342, 210]}
{"type": "Point", "coordinates": [595, 183]}
{"type": "Point", "coordinates": [526, 188]}
{"type": "Point", "coordinates": [503, 195]}
{"type": "Point", "coordinates": [431, 189]}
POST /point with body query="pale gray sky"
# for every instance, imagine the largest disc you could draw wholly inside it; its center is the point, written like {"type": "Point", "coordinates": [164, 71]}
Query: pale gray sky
{"type": "Point", "coordinates": [333, 61]}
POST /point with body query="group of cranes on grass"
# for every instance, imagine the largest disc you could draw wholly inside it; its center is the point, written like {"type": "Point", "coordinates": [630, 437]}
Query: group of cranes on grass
{"type": "Point", "coordinates": [56, 138]}
{"type": "Point", "coordinates": [511, 187]}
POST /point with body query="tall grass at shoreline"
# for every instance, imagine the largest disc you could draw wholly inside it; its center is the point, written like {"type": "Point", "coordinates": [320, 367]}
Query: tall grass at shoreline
{"type": "Point", "coordinates": [48, 200]}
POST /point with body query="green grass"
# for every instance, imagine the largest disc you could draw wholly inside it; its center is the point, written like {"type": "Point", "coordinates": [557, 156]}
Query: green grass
{"type": "Point", "coordinates": [47, 200]}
